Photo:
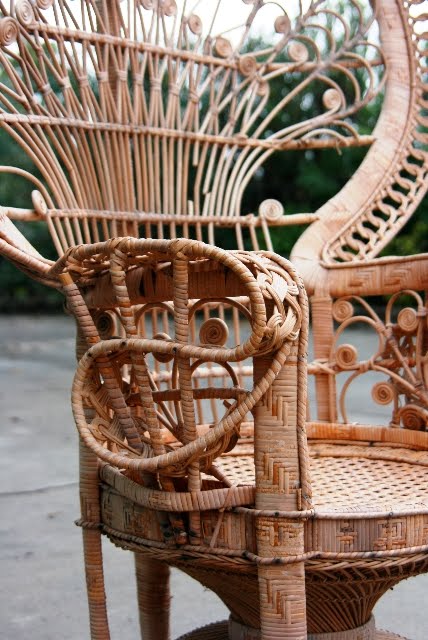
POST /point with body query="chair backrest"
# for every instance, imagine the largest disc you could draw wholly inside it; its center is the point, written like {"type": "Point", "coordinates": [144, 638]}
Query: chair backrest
{"type": "Point", "coordinates": [358, 223]}
{"type": "Point", "coordinates": [337, 255]}
{"type": "Point", "coordinates": [151, 117]}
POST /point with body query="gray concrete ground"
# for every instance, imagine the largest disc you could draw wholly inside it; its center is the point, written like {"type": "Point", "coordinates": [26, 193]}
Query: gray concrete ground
{"type": "Point", "coordinates": [42, 593]}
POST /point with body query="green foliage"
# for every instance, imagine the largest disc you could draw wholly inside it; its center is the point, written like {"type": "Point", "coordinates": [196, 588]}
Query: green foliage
{"type": "Point", "coordinates": [17, 291]}
{"type": "Point", "coordinates": [414, 237]}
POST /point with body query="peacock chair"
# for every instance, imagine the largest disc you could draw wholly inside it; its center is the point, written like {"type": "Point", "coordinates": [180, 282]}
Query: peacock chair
{"type": "Point", "coordinates": [146, 121]}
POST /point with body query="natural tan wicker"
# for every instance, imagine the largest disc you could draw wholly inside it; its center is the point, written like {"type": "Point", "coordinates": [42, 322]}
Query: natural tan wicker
{"type": "Point", "coordinates": [223, 631]}
{"type": "Point", "coordinates": [146, 120]}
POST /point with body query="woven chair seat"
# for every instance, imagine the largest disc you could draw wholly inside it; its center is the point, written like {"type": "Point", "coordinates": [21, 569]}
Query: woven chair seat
{"type": "Point", "coordinates": [371, 515]}
{"type": "Point", "coordinates": [352, 478]}
{"type": "Point", "coordinates": [380, 491]}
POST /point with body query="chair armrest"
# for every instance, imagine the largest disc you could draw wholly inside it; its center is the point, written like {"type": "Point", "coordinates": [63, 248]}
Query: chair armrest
{"type": "Point", "coordinates": [121, 350]}
{"type": "Point", "coordinates": [16, 248]}
{"type": "Point", "coordinates": [399, 353]}
{"type": "Point", "coordinates": [380, 276]}
{"type": "Point", "coordinates": [185, 272]}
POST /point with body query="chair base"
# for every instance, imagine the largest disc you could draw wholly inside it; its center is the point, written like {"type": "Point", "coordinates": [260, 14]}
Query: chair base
{"type": "Point", "coordinates": [225, 631]}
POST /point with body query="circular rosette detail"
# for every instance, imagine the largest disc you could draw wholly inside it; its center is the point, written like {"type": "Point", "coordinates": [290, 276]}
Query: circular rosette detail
{"type": "Point", "coordinates": [39, 203]}
{"type": "Point", "coordinates": [223, 47]}
{"type": "Point", "coordinates": [163, 357]}
{"type": "Point", "coordinates": [413, 417]}
{"type": "Point", "coordinates": [195, 24]}
{"type": "Point", "coordinates": [24, 12]}
{"type": "Point", "coordinates": [271, 210]}
{"type": "Point", "coordinates": [214, 332]}
{"type": "Point", "coordinates": [408, 320]}
{"type": "Point", "coordinates": [169, 7]}
{"type": "Point", "coordinates": [297, 52]}
{"type": "Point", "coordinates": [383, 393]}
{"type": "Point", "coordinates": [346, 356]}
{"type": "Point", "coordinates": [148, 4]}
{"type": "Point", "coordinates": [262, 88]}
{"type": "Point", "coordinates": [105, 324]}
{"type": "Point", "coordinates": [44, 4]}
{"type": "Point", "coordinates": [282, 24]}
{"type": "Point", "coordinates": [247, 65]}
{"type": "Point", "coordinates": [342, 310]}
{"type": "Point", "coordinates": [9, 31]}
{"type": "Point", "coordinates": [332, 100]}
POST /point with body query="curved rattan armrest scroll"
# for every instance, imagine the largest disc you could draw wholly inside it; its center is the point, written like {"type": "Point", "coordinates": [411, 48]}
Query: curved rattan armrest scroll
{"type": "Point", "coordinates": [277, 307]}
{"type": "Point", "coordinates": [16, 248]}
{"type": "Point", "coordinates": [125, 271]}
{"type": "Point", "coordinates": [172, 458]}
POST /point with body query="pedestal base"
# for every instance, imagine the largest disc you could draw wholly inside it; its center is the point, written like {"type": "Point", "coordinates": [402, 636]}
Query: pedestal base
{"type": "Point", "coordinates": [222, 630]}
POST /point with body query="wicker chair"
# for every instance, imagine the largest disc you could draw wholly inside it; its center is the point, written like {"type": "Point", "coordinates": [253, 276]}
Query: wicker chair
{"type": "Point", "coordinates": [156, 126]}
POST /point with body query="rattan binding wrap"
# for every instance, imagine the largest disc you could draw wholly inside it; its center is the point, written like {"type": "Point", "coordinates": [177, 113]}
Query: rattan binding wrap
{"type": "Point", "coordinates": [231, 631]}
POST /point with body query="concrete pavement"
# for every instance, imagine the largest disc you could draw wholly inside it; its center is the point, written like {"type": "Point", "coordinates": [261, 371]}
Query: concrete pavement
{"type": "Point", "coordinates": [42, 593]}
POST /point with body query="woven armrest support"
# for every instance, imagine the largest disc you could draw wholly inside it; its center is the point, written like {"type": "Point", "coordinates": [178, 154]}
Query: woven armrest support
{"type": "Point", "coordinates": [188, 274]}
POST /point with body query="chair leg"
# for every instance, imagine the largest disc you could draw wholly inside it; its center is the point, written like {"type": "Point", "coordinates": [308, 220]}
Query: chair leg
{"type": "Point", "coordinates": [153, 597]}
{"type": "Point", "coordinates": [92, 549]}
{"type": "Point", "coordinates": [95, 585]}
{"type": "Point", "coordinates": [91, 517]}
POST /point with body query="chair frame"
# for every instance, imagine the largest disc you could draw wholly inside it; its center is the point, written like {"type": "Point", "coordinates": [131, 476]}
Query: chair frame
{"type": "Point", "coordinates": [156, 133]}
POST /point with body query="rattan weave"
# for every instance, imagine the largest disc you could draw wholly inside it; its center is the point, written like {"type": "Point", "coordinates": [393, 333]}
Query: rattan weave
{"type": "Point", "coordinates": [220, 631]}
{"type": "Point", "coordinates": [146, 121]}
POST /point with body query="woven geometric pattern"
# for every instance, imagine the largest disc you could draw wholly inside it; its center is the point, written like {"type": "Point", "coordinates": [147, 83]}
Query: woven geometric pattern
{"type": "Point", "coordinates": [146, 121]}
{"type": "Point", "coordinates": [350, 481]}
